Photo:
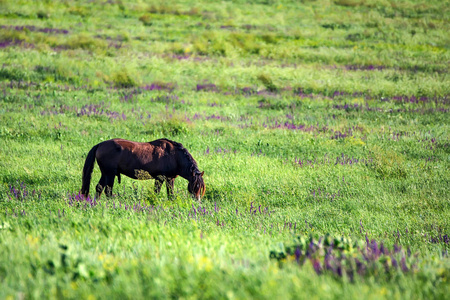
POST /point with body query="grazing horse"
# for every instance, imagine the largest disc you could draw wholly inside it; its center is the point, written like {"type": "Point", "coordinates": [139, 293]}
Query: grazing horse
{"type": "Point", "coordinates": [162, 160]}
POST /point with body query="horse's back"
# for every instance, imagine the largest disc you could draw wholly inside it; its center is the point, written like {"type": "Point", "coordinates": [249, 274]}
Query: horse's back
{"type": "Point", "coordinates": [162, 146]}
{"type": "Point", "coordinates": [165, 143]}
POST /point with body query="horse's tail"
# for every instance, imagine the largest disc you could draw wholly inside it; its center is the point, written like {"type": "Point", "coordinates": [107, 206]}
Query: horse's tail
{"type": "Point", "coordinates": [87, 171]}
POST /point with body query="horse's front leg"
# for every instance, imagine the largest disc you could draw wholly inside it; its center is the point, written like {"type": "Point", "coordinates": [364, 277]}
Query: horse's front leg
{"type": "Point", "coordinates": [158, 184]}
{"type": "Point", "coordinates": [169, 186]}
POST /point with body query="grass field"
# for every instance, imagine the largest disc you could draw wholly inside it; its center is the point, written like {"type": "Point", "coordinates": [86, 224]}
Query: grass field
{"type": "Point", "coordinates": [322, 128]}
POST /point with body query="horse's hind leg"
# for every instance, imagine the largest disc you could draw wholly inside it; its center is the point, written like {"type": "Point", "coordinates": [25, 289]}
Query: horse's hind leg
{"type": "Point", "coordinates": [100, 186]}
{"type": "Point", "coordinates": [107, 183]}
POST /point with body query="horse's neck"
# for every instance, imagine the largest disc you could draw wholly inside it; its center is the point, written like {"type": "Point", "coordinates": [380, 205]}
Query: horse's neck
{"type": "Point", "coordinates": [188, 171]}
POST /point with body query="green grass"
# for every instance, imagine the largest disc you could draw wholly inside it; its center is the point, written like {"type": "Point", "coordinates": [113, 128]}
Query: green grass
{"type": "Point", "coordinates": [308, 117]}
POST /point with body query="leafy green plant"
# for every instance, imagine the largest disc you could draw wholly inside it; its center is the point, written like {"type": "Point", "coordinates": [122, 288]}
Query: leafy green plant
{"type": "Point", "coordinates": [323, 124]}
{"type": "Point", "coordinates": [146, 20]}
{"type": "Point", "coordinates": [268, 83]}
{"type": "Point", "coordinates": [122, 79]}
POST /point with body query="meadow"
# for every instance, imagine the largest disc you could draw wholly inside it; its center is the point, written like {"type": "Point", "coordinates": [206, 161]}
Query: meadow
{"type": "Point", "coordinates": [322, 128]}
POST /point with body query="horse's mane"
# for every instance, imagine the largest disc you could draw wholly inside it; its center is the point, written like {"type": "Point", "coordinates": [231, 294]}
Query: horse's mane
{"type": "Point", "coordinates": [185, 152]}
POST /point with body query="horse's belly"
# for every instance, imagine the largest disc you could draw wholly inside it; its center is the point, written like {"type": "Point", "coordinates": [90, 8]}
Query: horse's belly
{"type": "Point", "coordinates": [144, 166]}
{"type": "Point", "coordinates": [136, 174]}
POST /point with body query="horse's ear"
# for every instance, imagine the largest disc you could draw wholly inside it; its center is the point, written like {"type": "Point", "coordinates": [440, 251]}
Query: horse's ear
{"type": "Point", "coordinates": [201, 174]}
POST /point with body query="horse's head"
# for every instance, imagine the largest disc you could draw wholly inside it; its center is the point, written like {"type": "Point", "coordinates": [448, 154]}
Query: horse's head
{"type": "Point", "coordinates": [196, 185]}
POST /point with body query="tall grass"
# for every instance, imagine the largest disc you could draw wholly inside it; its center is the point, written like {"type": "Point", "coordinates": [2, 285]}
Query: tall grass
{"type": "Point", "coordinates": [322, 128]}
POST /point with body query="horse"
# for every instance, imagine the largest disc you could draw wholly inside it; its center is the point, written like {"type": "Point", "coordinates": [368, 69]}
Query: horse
{"type": "Point", "coordinates": [162, 160]}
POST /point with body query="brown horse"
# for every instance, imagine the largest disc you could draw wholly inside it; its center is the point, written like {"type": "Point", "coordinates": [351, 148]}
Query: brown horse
{"type": "Point", "coordinates": [162, 160]}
